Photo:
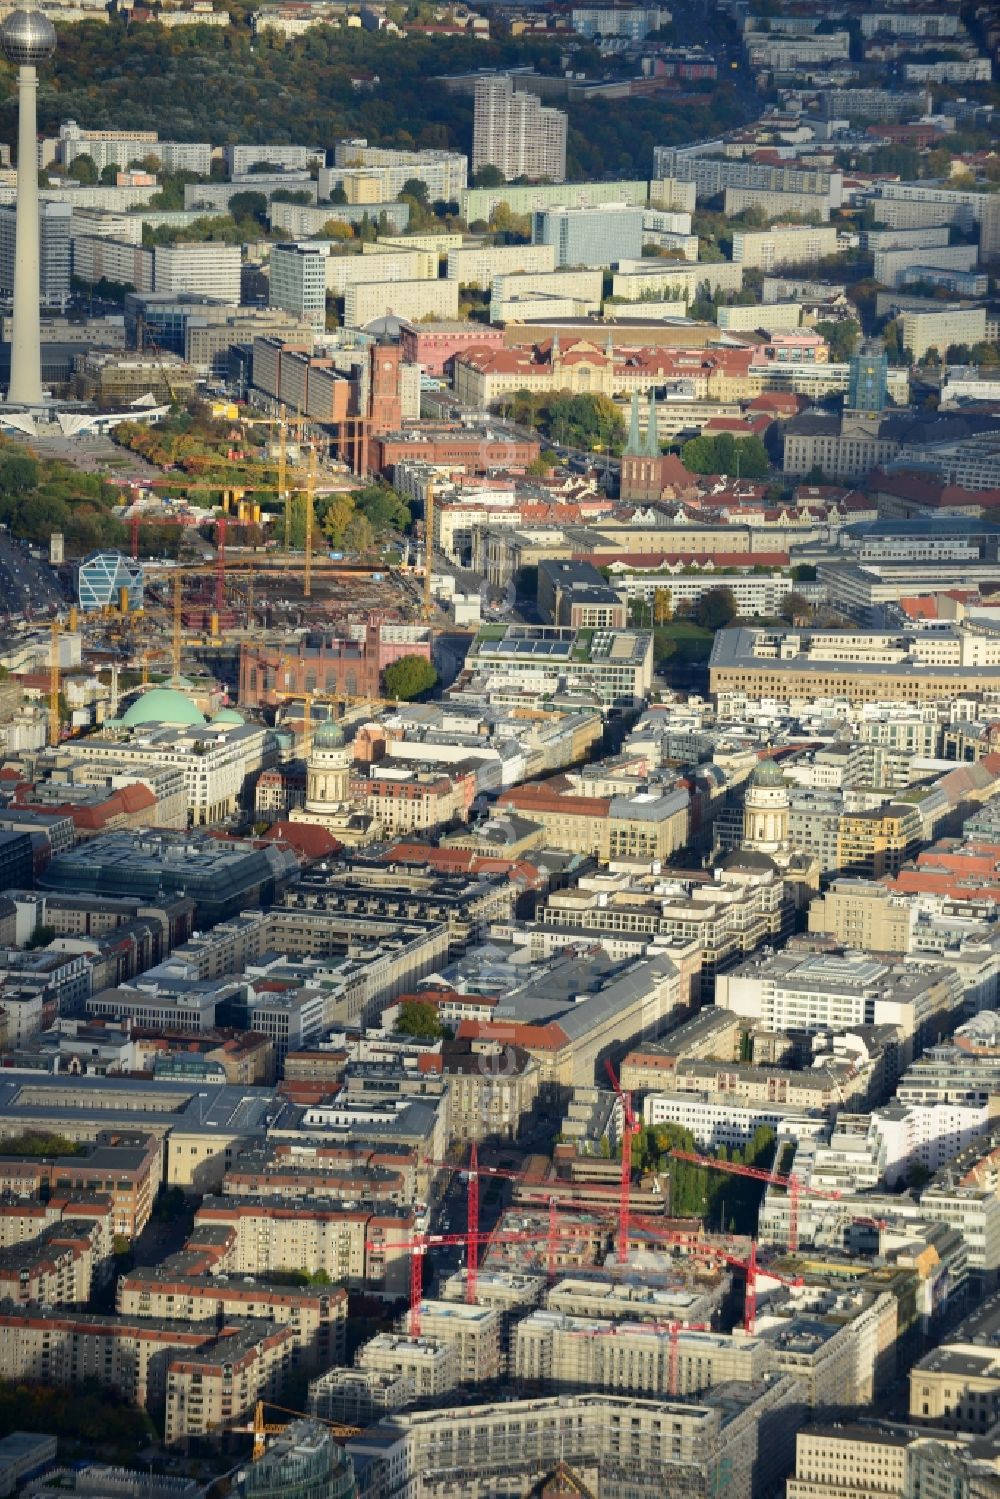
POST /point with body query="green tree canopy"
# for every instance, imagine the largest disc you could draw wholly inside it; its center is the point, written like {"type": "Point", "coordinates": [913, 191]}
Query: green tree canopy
{"type": "Point", "coordinates": [842, 337]}
{"type": "Point", "coordinates": [418, 1019]}
{"type": "Point", "coordinates": [384, 508]}
{"type": "Point", "coordinates": [716, 608]}
{"type": "Point", "coordinates": [249, 205]}
{"type": "Point", "coordinates": [83, 169]}
{"type": "Point", "coordinates": [724, 454]}
{"type": "Point", "coordinates": [409, 677]}
{"type": "Point", "coordinates": [488, 176]}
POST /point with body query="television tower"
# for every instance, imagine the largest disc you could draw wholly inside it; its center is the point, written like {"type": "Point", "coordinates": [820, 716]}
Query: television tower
{"type": "Point", "coordinates": [28, 38]}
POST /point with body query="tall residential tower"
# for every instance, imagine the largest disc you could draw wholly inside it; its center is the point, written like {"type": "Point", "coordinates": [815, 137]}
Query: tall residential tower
{"type": "Point", "coordinates": [514, 132]}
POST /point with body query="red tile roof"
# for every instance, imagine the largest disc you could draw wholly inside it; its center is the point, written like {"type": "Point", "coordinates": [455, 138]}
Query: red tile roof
{"type": "Point", "coordinates": [306, 838]}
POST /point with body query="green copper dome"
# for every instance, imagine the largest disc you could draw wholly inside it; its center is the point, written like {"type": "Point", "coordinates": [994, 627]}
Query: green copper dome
{"type": "Point", "coordinates": [329, 735]}
{"type": "Point", "coordinates": [163, 705]}
{"type": "Point", "coordinates": [228, 715]}
{"type": "Point", "coordinates": [768, 773]}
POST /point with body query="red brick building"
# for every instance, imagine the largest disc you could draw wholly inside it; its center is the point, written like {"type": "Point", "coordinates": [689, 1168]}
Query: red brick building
{"type": "Point", "coordinates": [434, 345]}
{"type": "Point", "coordinates": [475, 451]}
{"type": "Point", "coordinates": [350, 661]}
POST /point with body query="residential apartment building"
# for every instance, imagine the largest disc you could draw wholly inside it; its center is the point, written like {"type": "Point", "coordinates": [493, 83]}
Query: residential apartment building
{"type": "Point", "coordinates": [54, 252]}
{"type": "Point", "coordinates": [896, 267]}
{"type": "Point", "coordinates": [478, 203]}
{"type": "Point", "coordinates": [551, 1350]}
{"type": "Point", "coordinates": [316, 1315]}
{"type": "Point", "coordinates": [127, 1167]}
{"type": "Point", "coordinates": [939, 330]}
{"type": "Point", "coordinates": [365, 302]}
{"type": "Point", "coordinates": [573, 293]}
{"type": "Point", "coordinates": [478, 267]}
{"type": "Point", "coordinates": [209, 270]}
{"type": "Point", "coordinates": [343, 271]}
{"type": "Point", "coordinates": [623, 1436]}
{"type": "Point", "coordinates": [713, 174]}
{"type": "Point", "coordinates": [220, 1382]}
{"type": "Point", "coordinates": [103, 259]}
{"type": "Point", "coordinates": [513, 131]}
{"type": "Point", "coordinates": [776, 204]}
{"type": "Point", "coordinates": [138, 1357]}
{"type": "Point", "coordinates": [783, 245]}
{"type": "Point", "coordinates": [354, 1245]}
{"type": "Point", "coordinates": [444, 173]}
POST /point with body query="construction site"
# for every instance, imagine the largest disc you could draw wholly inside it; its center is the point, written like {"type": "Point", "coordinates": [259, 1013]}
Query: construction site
{"type": "Point", "coordinates": [235, 587]}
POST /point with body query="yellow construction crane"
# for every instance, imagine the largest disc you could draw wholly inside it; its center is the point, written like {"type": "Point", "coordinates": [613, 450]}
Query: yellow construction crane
{"type": "Point", "coordinates": [284, 498]}
{"type": "Point", "coordinates": [428, 552]}
{"type": "Point", "coordinates": [310, 518]}
{"type": "Point", "coordinates": [261, 1429]}
{"type": "Point", "coordinates": [177, 633]}
{"type": "Point", "coordinates": [54, 716]}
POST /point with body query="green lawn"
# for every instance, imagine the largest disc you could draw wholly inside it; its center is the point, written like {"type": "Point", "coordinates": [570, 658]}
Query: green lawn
{"type": "Point", "coordinates": [682, 640]}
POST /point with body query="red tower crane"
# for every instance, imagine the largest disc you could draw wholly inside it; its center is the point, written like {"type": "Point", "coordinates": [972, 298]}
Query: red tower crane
{"type": "Point", "coordinates": [418, 1246]}
{"type": "Point", "coordinates": [629, 1128]}
{"type": "Point", "coordinates": [750, 1266]}
{"type": "Point", "coordinates": [773, 1178]}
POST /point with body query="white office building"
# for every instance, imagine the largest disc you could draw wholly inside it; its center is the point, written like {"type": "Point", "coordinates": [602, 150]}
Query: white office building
{"type": "Point", "coordinates": [298, 282]}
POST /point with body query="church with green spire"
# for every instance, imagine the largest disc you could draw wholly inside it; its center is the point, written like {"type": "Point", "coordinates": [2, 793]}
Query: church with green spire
{"type": "Point", "coordinates": [646, 473]}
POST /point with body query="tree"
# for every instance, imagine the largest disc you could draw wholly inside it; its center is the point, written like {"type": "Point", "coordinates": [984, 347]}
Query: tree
{"type": "Point", "coordinates": [383, 508]}
{"type": "Point", "coordinates": [538, 468]}
{"type": "Point", "coordinates": [41, 936]}
{"type": "Point", "coordinates": [716, 608]}
{"type": "Point", "coordinates": [662, 606]}
{"type": "Point", "coordinates": [842, 337]}
{"type": "Point", "coordinates": [337, 517]}
{"type": "Point", "coordinates": [409, 677]}
{"type": "Point", "coordinates": [932, 357]}
{"type": "Point", "coordinates": [804, 572]}
{"type": "Point", "coordinates": [416, 187]}
{"type": "Point", "coordinates": [358, 534]}
{"type": "Point", "coordinates": [83, 169]}
{"type": "Point", "coordinates": [489, 176]}
{"type": "Point", "coordinates": [958, 354]}
{"type": "Point", "coordinates": [418, 1019]}
{"type": "Point", "coordinates": [795, 606]}
{"type": "Point", "coordinates": [19, 473]}
{"type": "Point", "coordinates": [109, 174]}
{"type": "Point", "coordinates": [724, 454]}
{"type": "Point", "coordinates": [586, 421]}
{"type": "Point", "coordinates": [249, 205]}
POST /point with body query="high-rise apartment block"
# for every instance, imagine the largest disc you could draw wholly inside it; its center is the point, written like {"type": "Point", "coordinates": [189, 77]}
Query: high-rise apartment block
{"type": "Point", "coordinates": [298, 282]}
{"type": "Point", "coordinates": [514, 132]}
{"type": "Point", "coordinates": [210, 270]}
{"type": "Point", "coordinates": [54, 247]}
{"type": "Point", "coordinates": [120, 148]}
{"type": "Point", "coordinates": [369, 174]}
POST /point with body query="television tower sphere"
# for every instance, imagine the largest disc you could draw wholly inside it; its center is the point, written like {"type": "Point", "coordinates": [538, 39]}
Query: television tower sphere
{"type": "Point", "coordinates": [28, 37]}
